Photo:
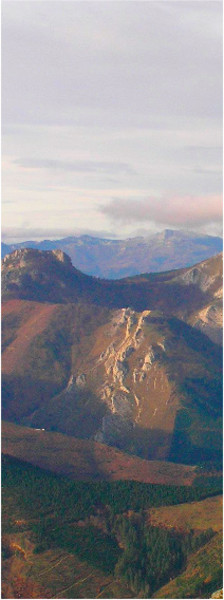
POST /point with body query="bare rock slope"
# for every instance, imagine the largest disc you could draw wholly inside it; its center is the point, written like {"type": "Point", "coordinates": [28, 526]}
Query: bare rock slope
{"type": "Point", "coordinates": [132, 364]}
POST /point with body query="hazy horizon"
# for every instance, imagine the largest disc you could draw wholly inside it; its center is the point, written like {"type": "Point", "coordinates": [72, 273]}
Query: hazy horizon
{"type": "Point", "coordinates": [112, 117]}
{"type": "Point", "coordinates": [40, 237]}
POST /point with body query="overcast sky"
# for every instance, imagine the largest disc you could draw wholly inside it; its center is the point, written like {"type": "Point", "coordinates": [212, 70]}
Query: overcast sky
{"type": "Point", "coordinates": [111, 117]}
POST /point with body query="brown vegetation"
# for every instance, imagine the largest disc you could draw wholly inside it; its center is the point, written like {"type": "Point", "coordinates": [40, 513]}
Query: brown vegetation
{"type": "Point", "coordinates": [201, 515]}
{"type": "Point", "coordinates": [84, 459]}
{"type": "Point", "coordinates": [34, 319]}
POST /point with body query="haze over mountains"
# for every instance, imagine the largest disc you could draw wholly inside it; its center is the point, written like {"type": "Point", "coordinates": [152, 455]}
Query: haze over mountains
{"type": "Point", "coordinates": [113, 259]}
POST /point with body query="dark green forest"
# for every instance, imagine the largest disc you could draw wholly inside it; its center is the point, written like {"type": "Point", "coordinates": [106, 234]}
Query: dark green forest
{"type": "Point", "coordinates": [123, 543]}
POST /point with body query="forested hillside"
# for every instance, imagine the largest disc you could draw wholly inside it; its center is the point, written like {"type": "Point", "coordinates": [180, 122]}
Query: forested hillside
{"type": "Point", "coordinates": [45, 516]}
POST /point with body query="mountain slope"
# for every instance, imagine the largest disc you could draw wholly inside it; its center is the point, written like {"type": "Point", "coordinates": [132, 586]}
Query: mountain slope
{"type": "Point", "coordinates": [87, 460]}
{"type": "Point", "coordinates": [121, 258]}
{"type": "Point", "coordinates": [193, 294]}
{"type": "Point", "coordinates": [196, 515]}
{"type": "Point", "coordinates": [203, 571]}
{"type": "Point", "coordinates": [143, 380]}
{"type": "Point", "coordinates": [50, 276]}
{"type": "Point", "coordinates": [202, 575]}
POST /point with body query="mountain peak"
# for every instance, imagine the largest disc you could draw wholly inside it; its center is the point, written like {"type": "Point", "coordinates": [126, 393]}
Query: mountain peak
{"type": "Point", "coordinates": [36, 274]}
{"type": "Point", "coordinates": [115, 259]}
{"type": "Point", "coordinates": [21, 257]}
{"type": "Point", "coordinates": [62, 256]}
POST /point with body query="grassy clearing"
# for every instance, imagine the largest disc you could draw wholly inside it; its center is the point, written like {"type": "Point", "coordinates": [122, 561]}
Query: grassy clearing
{"type": "Point", "coordinates": [196, 515]}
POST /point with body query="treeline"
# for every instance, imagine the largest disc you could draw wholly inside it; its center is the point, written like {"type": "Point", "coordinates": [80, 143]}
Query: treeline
{"type": "Point", "coordinates": [40, 491]}
{"type": "Point", "coordinates": [153, 555]}
{"type": "Point", "coordinates": [150, 555]}
{"type": "Point", "coordinates": [89, 543]}
{"type": "Point", "coordinates": [145, 557]}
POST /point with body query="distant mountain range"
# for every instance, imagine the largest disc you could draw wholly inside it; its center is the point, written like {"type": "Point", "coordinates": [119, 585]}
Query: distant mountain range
{"type": "Point", "coordinates": [113, 259]}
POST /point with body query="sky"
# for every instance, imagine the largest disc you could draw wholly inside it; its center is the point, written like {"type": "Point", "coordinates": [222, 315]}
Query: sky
{"type": "Point", "coordinates": [111, 117]}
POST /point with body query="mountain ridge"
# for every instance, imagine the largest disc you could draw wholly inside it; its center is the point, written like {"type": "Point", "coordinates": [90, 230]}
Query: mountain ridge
{"type": "Point", "coordinates": [143, 378]}
{"type": "Point", "coordinates": [114, 259]}
{"type": "Point", "coordinates": [192, 293]}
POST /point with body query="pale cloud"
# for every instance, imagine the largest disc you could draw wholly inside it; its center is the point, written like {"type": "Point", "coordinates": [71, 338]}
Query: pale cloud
{"type": "Point", "coordinates": [106, 104]}
{"type": "Point", "coordinates": [87, 166]}
{"type": "Point", "coordinates": [185, 211]}
{"type": "Point", "coordinates": [21, 234]}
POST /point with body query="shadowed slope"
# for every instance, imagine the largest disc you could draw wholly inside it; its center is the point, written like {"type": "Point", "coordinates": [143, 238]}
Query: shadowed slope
{"type": "Point", "coordinates": [49, 276]}
{"type": "Point", "coordinates": [84, 459]}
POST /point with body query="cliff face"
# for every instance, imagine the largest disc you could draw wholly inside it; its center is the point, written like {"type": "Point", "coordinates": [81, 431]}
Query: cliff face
{"type": "Point", "coordinates": [133, 382]}
{"type": "Point", "coordinates": [208, 276]}
{"type": "Point", "coordinates": [210, 320]}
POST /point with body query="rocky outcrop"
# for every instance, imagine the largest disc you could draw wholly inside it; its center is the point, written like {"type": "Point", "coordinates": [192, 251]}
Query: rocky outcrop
{"type": "Point", "coordinates": [208, 277]}
{"type": "Point", "coordinates": [205, 275]}
{"type": "Point", "coordinates": [198, 277]}
{"type": "Point", "coordinates": [78, 381]}
{"type": "Point", "coordinates": [210, 321]}
{"type": "Point", "coordinates": [62, 257]}
{"type": "Point", "coordinates": [134, 385]}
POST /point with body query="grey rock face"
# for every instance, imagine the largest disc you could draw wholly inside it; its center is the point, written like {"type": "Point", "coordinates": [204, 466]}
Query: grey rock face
{"type": "Point", "coordinates": [81, 380]}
